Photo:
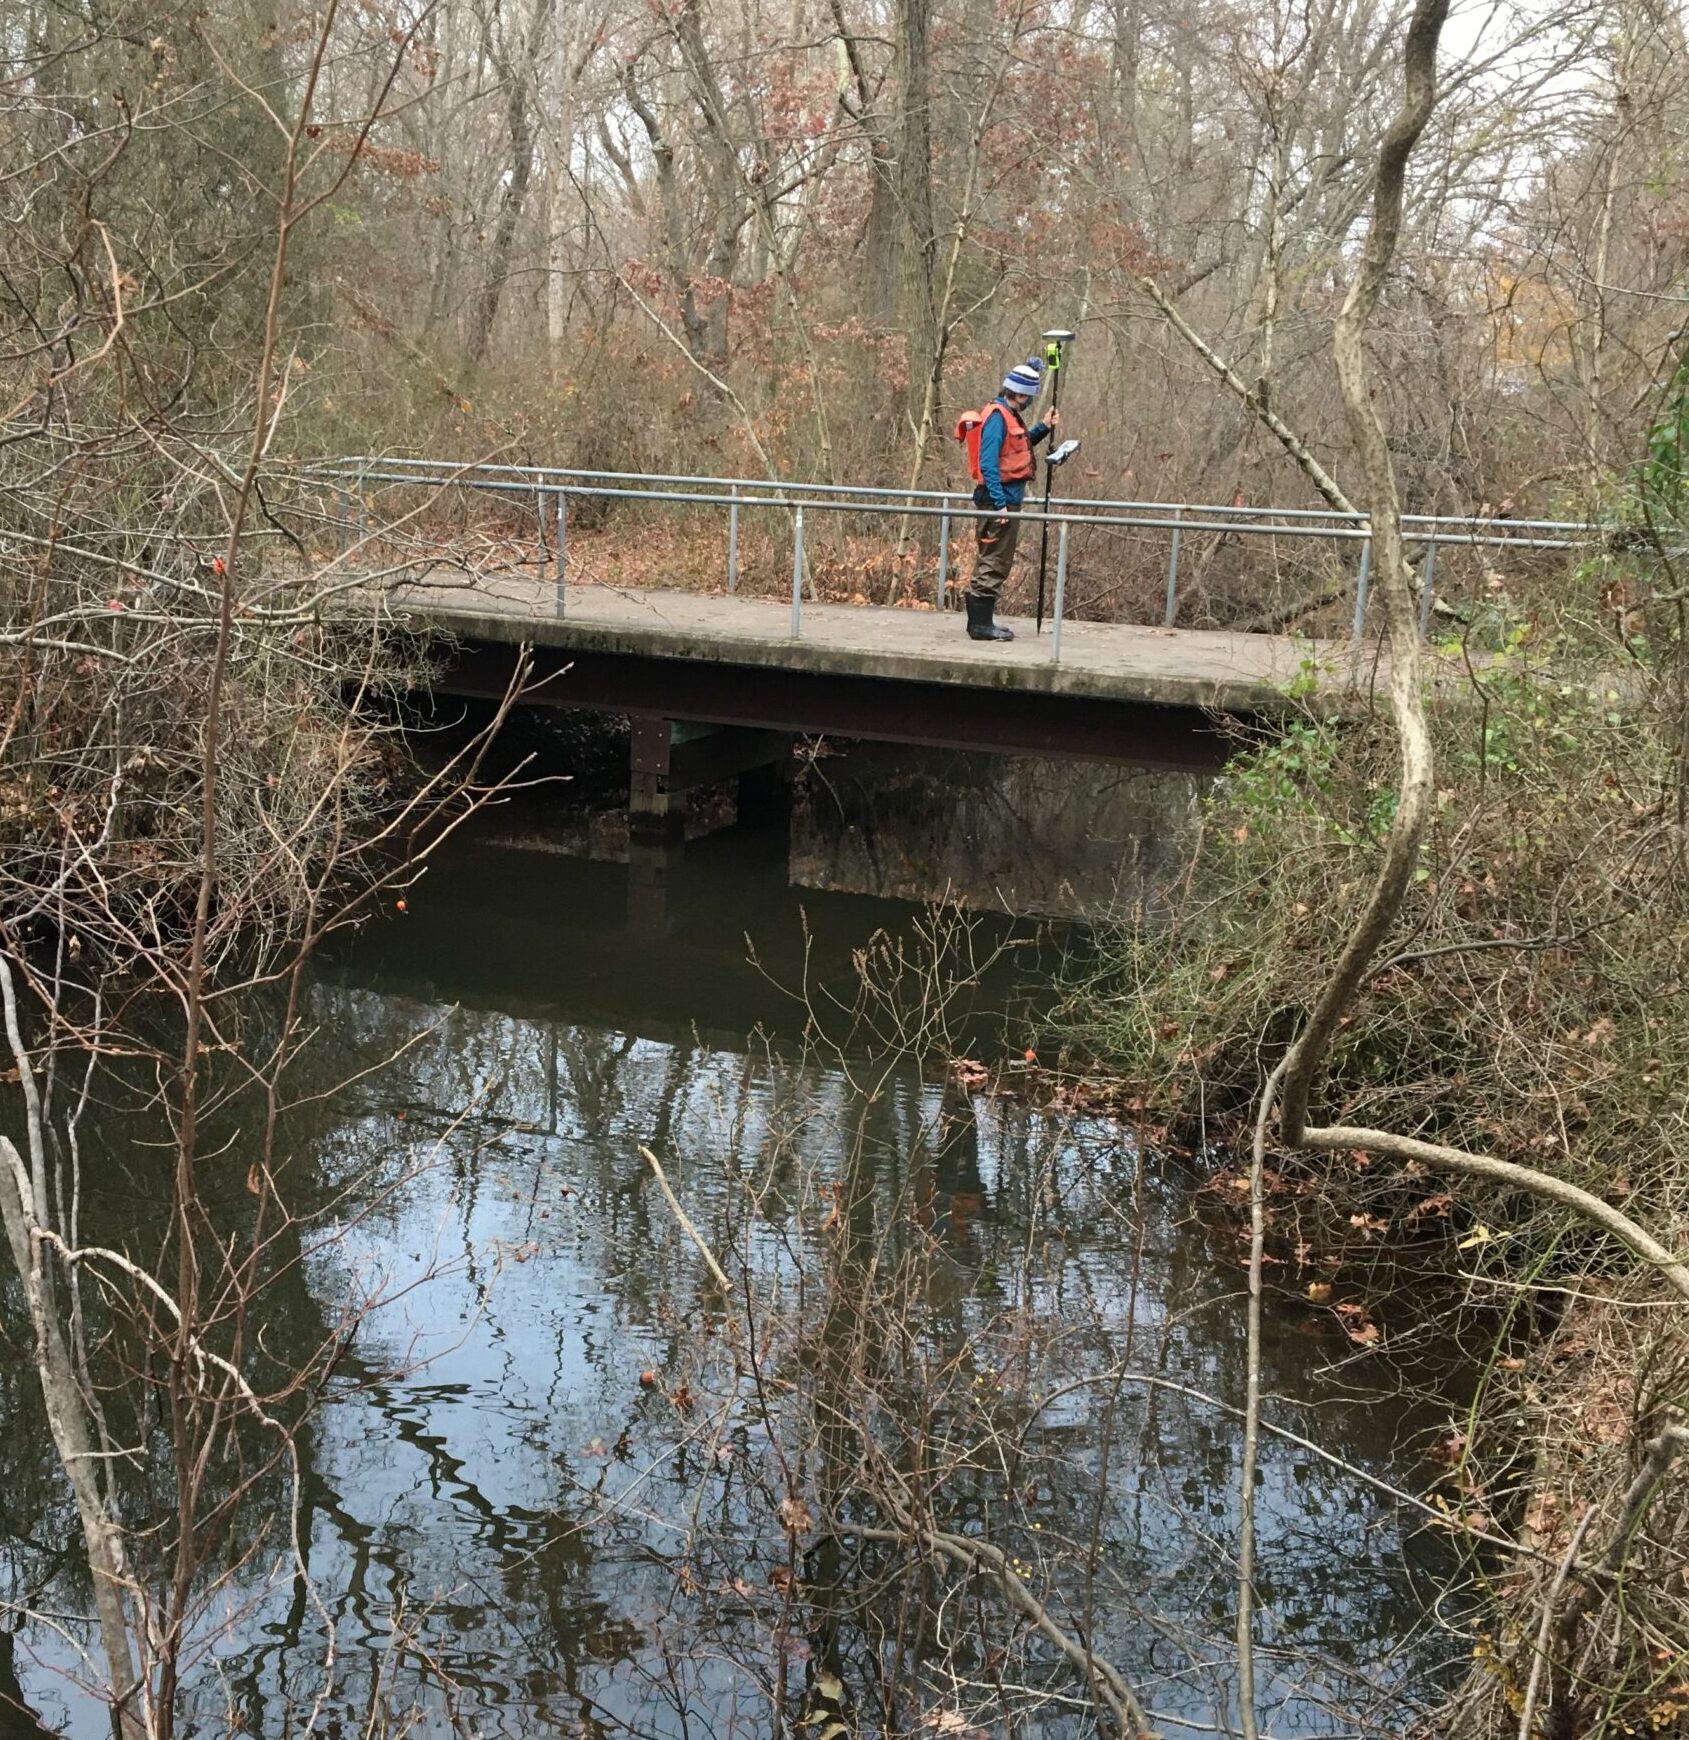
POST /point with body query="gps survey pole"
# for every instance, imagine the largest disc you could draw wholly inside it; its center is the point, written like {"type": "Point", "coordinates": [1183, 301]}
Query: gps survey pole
{"type": "Point", "coordinates": [1055, 345]}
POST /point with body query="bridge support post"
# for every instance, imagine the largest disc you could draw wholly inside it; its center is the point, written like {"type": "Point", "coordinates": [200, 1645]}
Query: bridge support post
{"type": "Point", "coordinates": [655, 813]}
{"type": "Point", "coordinates": [944, 560]}
{"type": "Point", "coordinates": [667, 758]}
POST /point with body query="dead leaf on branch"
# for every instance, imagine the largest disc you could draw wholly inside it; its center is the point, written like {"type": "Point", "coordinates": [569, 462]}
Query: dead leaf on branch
{"type": "Point", "coordinates": [951, 1722]}
{"type": "Point", "coordinates": [1358, 1324]}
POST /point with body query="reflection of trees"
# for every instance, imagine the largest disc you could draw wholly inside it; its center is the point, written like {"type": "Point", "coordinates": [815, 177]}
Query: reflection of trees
{"type": "Point", "coordinates": [973, 1265]}
{"type": "Point", "coordinates": [1053, 838]}
{"type": "Point", "coordinates": [965, 1260]}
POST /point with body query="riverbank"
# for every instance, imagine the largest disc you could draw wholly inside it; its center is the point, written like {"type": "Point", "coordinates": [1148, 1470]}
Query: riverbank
{"type": "Point", "coordinates": [1529, 1007]}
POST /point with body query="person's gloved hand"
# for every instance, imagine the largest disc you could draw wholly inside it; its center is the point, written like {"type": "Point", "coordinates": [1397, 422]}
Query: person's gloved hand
{"type": "Point", "coordinates": [996, 527]}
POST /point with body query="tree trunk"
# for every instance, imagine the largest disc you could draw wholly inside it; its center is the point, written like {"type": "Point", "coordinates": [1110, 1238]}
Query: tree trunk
{"type": "Point", "coordinates": [68, 1424]}
{"type": "Point", "coordinates": [914, 185]}
{"type": "Point", "coordinates": [519, 129]}
{"type": "Point", "coordinates": [557, 203]}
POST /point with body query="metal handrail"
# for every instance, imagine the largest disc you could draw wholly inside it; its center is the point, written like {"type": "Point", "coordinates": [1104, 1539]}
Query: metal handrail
{"type": "Point", "coordinates": [549, 486]}
{"type": "Point", "coordinates": [366, 466]}
{"type": "Point", "coordinates": [1127, 515]}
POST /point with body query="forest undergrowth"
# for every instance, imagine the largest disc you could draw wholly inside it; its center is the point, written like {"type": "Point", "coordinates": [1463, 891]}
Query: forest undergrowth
{"type": "Point", "coordinates": [1529, 1007]}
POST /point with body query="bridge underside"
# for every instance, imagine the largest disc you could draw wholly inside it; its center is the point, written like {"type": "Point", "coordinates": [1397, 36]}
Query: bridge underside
{"type": "Point", "coordinates": [1007, 721]}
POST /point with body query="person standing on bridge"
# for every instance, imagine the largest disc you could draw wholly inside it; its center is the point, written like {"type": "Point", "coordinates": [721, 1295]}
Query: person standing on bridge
{"type": "Point", "coordinates": [1000, 456]}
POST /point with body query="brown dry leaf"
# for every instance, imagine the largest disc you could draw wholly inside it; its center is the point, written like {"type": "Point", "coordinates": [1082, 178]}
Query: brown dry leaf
{"type": "Point", "coordinates": [1364, 1334]}
{"type": "Point", "coordinates": [1542, 1515]}
{"type": "Point", "coordinates": [795, 1516]}
{"type": "Point", "coordinates": [1438, 1205]}
{"type": "Point", "coordinates": [1448, 1449]}
{"type": "Point", "coordinates": [945, 1722]}
{"type": "Point", "coordinates": [1319, 1291]}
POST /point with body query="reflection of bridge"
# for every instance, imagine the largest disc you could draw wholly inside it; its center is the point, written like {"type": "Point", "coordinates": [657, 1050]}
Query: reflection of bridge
{"type": "Point", "coordinates": [716, 684]}
{"type": "Point", "coordinates": [706, 957]}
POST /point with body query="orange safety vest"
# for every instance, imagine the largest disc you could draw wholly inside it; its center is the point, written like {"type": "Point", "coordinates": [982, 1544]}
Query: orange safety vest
{"type": "Point", "coordinates": [1016, 464]}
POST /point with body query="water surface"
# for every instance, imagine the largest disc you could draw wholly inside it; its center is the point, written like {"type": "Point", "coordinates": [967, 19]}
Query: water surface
{"type": "Point", "coordinates": [515, 1536]}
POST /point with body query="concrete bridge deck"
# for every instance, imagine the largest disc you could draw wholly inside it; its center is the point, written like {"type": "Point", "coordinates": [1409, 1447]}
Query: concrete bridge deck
{"type": "Point", "coordinates": [1100, 662]}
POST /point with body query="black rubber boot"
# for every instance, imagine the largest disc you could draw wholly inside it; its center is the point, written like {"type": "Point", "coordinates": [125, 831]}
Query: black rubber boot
{"type": "Point", "coordinates": [981, 607]}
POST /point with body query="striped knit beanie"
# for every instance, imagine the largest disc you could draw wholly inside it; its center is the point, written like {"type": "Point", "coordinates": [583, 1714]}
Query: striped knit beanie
{"type": "Point", "coordinates": [1027, 378]}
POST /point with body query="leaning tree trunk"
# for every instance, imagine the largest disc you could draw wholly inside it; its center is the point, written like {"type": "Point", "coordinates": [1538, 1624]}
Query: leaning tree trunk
{"type": "Point", "coordinates": [1391, 577]}
{"type": "Point", "coordinates": [1300, 1068]}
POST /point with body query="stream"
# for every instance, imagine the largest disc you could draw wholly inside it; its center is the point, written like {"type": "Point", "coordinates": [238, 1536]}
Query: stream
{"type": "Point", "coordinates": [539, 1496]}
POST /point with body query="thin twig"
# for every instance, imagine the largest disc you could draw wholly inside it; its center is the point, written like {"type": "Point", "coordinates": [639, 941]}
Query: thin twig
{"type": "Point", "coordinates": [1527, 1710]}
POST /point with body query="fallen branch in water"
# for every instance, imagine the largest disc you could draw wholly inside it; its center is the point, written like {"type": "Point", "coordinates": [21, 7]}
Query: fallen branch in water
{"type": "Point", "coordinates": [685, 1221]}
{"type": "Point", "coordinates": [1111, 1690]}
{"type": "Point", "coordinates": [1108, 1684]}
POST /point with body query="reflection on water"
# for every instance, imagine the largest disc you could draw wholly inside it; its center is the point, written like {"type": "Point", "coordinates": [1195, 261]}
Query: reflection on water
{"type": "Point", "coordinates": [1009, 834]}
{"type": "Point", "coordinates": [1017, 834]}
{"type": "Point", "coordinates": [515, 1537]}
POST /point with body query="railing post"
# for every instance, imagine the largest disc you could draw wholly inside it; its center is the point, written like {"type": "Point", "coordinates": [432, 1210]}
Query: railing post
{"type": "Point", "coordinates": [944, 560]}
{"type": "Point", "coordinates": [1427, 586]}
{"type": "Point", "coordinates": [1061, 595]}
{"type": "Point", "coordinates": [1172, 609]}
{"type": "Point", "coordinates": [561, 545]}
{"type": "Point", "coordinates": [539, 519]}
{"type": "Point", "coordinates": [1361, 587]}
{"type": "Point", "coordinates": [797, 574]}
{"type": "Point", "coordinates": [733, 543]}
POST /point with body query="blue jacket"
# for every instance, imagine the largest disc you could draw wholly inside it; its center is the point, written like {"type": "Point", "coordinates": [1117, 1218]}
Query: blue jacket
{"type": "Point", "coordinates": [994, 492]}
